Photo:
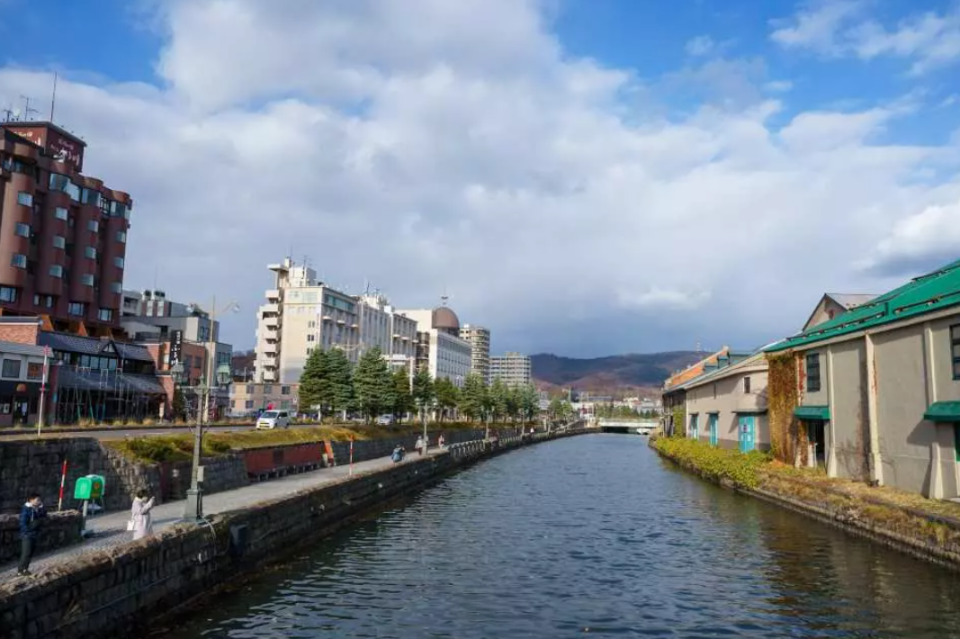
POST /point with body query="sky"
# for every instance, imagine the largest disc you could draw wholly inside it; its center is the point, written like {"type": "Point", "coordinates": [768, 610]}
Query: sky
{"type": "Point", "coordinates": [583, 177]}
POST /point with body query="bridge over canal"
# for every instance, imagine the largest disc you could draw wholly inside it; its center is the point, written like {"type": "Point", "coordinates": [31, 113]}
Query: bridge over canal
{"type": "Point", "coordinates": [638, 426]}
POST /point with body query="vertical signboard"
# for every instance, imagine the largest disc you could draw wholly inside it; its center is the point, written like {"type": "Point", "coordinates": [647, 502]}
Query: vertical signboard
{"type": "Point", "coordinates": [176, 347]}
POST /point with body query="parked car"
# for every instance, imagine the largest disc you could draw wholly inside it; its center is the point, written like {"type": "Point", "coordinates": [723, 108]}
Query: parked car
{"type": "Point", "coordinates": [385, 420]}
{"type": "Point", "coordinates": [274, 419]}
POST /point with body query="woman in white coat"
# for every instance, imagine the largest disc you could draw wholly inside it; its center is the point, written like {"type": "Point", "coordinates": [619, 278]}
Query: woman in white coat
{"type": "Point", "coordinates": [140, 515]}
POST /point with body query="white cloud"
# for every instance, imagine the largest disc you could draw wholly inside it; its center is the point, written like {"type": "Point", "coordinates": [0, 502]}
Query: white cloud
{"type": "Point", "coordinates": [700, 45]}
{"type": "Point", "coordinates": [929, 40]}
{"type": "Point", "coordinates": [919, 242]}
{"type": "Point", "coordinates": [457, 147]}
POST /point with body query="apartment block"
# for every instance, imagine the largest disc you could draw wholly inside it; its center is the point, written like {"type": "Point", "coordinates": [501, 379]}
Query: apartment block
{"type": "Point", "coordinates": [479, 339]}
{"type": "Point", "coordinates": [247, 399]}
{"type": "Point", "coordinates": [440, 349]}
{"type": "Point", "coordinates": [63, 235]}
{"type": "Point", "coordinates": [382, 325]}
{"type": "Point", "coordinates": [513, 369]}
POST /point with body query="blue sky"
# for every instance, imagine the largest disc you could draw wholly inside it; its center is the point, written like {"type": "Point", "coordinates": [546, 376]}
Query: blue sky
{"type": "Point", "coordinates": [685, 150]}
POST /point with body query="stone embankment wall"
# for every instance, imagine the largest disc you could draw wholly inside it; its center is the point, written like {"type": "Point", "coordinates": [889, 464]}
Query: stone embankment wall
{"type": "Point", "coordinates": [59, 529]}
{"type": "Point", "coordinates": [115, 592]}
{"type": "Point", "coordinates": [925, 535]}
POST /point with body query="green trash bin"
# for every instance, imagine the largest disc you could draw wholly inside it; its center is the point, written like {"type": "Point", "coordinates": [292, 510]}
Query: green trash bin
{"type": "Point", "coordinates": [89, 487]}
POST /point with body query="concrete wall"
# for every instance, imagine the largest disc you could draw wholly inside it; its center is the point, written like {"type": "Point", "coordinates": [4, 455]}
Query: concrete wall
{"type": "Point", "coordinates": [111, 593]}
{"type": "Point", "coordinates": [845, 384]}
{"type": "Point", "coordinates": [726, 396]}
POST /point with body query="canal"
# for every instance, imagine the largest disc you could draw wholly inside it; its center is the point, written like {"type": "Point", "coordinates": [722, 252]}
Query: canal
{"type": "Point", "coordinates": [587, 536]}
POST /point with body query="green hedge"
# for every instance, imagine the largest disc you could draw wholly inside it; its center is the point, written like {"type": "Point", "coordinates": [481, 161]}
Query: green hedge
{"type": "Point", "coordinates": [714, 463]}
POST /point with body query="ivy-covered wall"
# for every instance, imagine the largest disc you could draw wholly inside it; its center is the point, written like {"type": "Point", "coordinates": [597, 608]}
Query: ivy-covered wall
{"type": "Point", "coordinates": [680, 421]}
{"type": "Point", "coordinates": [783, 396]}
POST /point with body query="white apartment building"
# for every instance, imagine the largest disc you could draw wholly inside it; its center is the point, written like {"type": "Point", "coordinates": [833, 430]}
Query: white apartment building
{"type": "Point", "coordinates": [513, 369]}
{"type": "Point", "coordinates": [441, 350]}
{"type": "Point", "coordinates": [302, 314]}
{"type": "Point", "coordinates": [479, 339]}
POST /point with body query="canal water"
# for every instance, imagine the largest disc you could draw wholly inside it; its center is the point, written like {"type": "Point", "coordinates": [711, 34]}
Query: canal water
{"type": "Point", "coordinates": [591, 536]}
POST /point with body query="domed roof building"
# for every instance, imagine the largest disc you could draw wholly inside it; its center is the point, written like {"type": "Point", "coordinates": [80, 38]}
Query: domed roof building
{"type": "Point", "coordinates": [444, 319]}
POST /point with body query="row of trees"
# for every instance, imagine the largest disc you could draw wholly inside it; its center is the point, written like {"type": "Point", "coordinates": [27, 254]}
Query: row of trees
{"type": "Point", "coordinates": [330, 385]}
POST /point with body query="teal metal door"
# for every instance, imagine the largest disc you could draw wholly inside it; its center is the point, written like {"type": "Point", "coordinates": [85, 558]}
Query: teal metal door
{"type": "Point", "coordinates": [746, 428]}
{"type": "Point", "coordinates": [714, 435]}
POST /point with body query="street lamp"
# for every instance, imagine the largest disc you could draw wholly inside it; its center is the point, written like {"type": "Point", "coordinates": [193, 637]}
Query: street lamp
{"type": "Point", "coordinates": [193, 510]}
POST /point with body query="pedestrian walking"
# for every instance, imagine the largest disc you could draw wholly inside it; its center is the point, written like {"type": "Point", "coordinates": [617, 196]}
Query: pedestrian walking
{"type": "Point", "coordinates": [419, 445]}
{"type": "Point", "coordinates": [141, 521]}
{"type": "Point", "coordinates": [31, 517]}
{"type": "Point", "coordinates": [441, 441]}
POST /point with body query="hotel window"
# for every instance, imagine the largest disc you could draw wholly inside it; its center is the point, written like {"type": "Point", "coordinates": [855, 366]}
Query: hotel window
{"type": "Point", "coordinates": [56, 271]}
{"type": "Point", "coordinates": [746, 385]}
{"type": "Point", "coordinates": [116, 287]}
{"type": "Point", "coordinates": [813, 373]}
{"type": "Point", "coordinates": [122, 237]}
{"type": "Point", "coordinates": [60, 213]}
{"type": "Point", "coordinates": [267, 389]}
{"type": "Point", "coordinates": [25, 198]}
{"type": "Point", "coordinates": [43, 301]}
{"type": "Point", "coordinates": [20, 261]}
{"type": "Point", "coordinates": [90, 252]}
{"type": "Point", "coordinates": [118, 262]}
{"type": "Point", "coordinates": [59, 242]}
{"type": "Point", "coordinates": [284, 390]}
{"type": "Point", "coordinates": [105, 315]}
{"type": "Point", "coordinates": [86, 279]}
{"type": "Point", "coordinates": [93, 226]}
{"type": "Point", "coordinates": [76, 308]}
{"type": "Point", "coordinates": [11, 368]}
{"type": "Point", "coordinates": [23, 230]}
{"type": "Point", "coordinates": [8, 294]}
{"type": "Point", "coordinates": [955, 349]}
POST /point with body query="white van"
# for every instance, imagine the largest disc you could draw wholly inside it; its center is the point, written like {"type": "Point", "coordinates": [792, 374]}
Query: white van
{"type": "Point", "coordinates": [274, 419]}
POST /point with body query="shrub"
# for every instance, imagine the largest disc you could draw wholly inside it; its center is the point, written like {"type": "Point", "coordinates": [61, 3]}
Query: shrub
{"type": "Point", "coordinates": [714, 463]}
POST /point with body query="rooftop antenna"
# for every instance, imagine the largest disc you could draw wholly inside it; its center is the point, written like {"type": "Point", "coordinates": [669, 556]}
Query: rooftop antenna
{"type": "Point", "coordinates": [53, 98]}
{"type": "Point", "coordinates": [7, 114]}
{"type": "Point", "coordinates": [26, 108]}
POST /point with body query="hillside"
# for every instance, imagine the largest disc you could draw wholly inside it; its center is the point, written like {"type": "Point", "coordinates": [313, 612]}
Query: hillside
{"type": "Point", "coordinates": [642, 371]}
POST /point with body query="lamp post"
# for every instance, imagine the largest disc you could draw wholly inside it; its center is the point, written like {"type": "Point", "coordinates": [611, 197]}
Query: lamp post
{"type": "Point", "coordinates": [193, 510]}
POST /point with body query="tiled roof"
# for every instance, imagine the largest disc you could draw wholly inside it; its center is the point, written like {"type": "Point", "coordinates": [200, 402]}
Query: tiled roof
{"type": "Point", "coordinates": [737, 363]}
{"type": "Point", "coordinates": [93, 346]}
{"type": "Point", "coordinates": [925, 294]}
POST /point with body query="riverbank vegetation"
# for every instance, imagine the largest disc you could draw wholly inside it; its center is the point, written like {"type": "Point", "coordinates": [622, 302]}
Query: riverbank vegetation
{"type": "Point", "coordinates": [928, 525]}
{"type": "Point", "coordinates": [170, 448]}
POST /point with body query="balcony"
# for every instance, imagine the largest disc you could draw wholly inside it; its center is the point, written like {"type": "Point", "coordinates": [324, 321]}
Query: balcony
{"type": "Point", "coordinates": [270, 309]}
{"type": "Point", "coordinates": [273, 295]}
{"type": "Point", "coordinates": [271, 322]}
{"type": "Point", "coordinates": [270, 376]}
{"type": "Point", "coordinates": [271, 349]}
{"type": "Point", "coordinates": [269, 333]}
{"type": "Point", "coordinates": [327, 318]}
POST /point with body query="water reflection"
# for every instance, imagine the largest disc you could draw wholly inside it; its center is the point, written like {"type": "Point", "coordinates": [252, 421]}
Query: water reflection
{"type": "Point", "coordinates": [592, 535]}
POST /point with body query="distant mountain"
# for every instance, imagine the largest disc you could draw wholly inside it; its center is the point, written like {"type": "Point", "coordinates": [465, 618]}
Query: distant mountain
{"type": "Point", "coordinates": [647, 370]}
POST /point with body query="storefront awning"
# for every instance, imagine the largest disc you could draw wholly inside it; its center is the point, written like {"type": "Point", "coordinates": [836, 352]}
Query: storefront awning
{"type": "Point", "coordinates": [947, 412]}
{"type": "Point", "coordinates": [812, 413]}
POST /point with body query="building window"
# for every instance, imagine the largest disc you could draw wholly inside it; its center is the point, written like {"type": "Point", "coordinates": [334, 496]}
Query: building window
{"type": "Point", "coordinates": [311, 338]}
{"type": "Point", "coordinates": [56, 271]}
{"type": "Point", "coordinates": [90, 252]}
{"type": "Point", "coordinates": [118, 262]}
{"type": "Point", "coordinates": [746, 385]}
{"type": "Point", "coordinates": [105, 315]}
{"type": "Point", "coordinates": [59, 242]}
{"type": "Point", "coordinates": [23, 230]}
{"type": "Point", "coordinates": [93, 226]}
{"type": "Point", "coordinates": [284, 390]}
{"type": "Point", "coordinates": [8, 294]}
{"type": "Point", "coordinates": [249, 403]}
{"type": "Point", "coordinates": [34, 370]}
{"type": "Point", "coordinates": [312, 324]}
{"type": "Point", "coordinates": [11, 368]}
{"type": "Point", "coordinates": [813, 373]}
{"type": "Point", "coordinates": [20, 261]}
{"type": "Point", "coordinates": [43, 301]}
{"type": "Point", "coordinates": [267, 389]}
{"type": "Point", "coordinates": [77, 308]}
{"type": "Point", "coordinates": [60, 213]}
{"type": "Point", "coordinates": [955, 349]}
{"type": "Point", "coordinates": [86, 279]}
{"type": "Point", "coordinates": [122, 237]}
{"type": "Point", "coordinates": [25, 198]}
{"type": "Point", "coordinates": [91, 197]}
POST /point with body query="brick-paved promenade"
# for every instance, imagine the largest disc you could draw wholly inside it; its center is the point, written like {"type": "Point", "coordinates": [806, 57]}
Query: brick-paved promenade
{"type": "Point", "coordinates": [111, 527]}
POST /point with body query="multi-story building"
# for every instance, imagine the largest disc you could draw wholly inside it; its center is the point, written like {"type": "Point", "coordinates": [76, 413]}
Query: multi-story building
{"type": "Point", "coordinates": [440, 350]}
{"type": "Point", "coordinates": [479, 339]}
{"type": "Point", "coordinates": [247, 399]}
{"type": "Point", "coordinates": [63, 235]}
{"type": "Point", "coordinates": [381, 325]}
{"type": "Point", "coordinates": [513, 369]}
{"type": "Point", "coordinates": [149, 303]}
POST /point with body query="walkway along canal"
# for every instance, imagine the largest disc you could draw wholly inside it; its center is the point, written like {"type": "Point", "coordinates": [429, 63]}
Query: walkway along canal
{"type": "Point", "coordinates": [588, 536]}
